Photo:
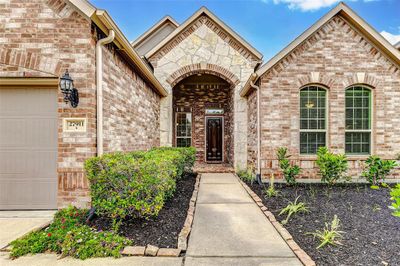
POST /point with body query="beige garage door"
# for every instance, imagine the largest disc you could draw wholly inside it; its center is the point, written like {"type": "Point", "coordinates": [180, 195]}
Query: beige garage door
{"type": "Point", "coordinates": [28, 148]}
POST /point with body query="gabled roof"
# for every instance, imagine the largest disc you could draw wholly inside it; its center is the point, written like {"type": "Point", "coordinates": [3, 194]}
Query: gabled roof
{"type": "Point", "coordinates": [104, 21]}
{"type": "Point", "coordinates": [351, 17]}
{"type": "Point", "coordinates": [167, 20]}
{"type": "Point", "coordinates": [188, 22]}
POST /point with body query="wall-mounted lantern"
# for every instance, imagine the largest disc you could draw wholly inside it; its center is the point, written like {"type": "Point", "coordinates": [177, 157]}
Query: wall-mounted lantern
{"type": "Point", "coordinates": [67, 88]}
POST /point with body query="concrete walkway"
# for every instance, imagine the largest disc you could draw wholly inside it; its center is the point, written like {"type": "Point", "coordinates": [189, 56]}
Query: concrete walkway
{"type": "Point", "coordinates": [230, 229]}
{"type": "Point", "coordinates": [14, 224]}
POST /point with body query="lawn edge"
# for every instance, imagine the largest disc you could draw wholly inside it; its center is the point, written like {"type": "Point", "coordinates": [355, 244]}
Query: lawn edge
{"type": "Point", "coordinates": [154, 251]}
{"type": "Point", "coordinates": [287, 237]}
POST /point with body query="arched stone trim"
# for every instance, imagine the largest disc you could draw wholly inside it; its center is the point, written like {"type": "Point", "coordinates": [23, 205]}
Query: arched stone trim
{"type": "Point", "coordinates": [361, 78]}
{"type": "Point", "coordinates": [315, 78]}
{"type": "Point", "coordinates": [32, 61]}
{"type": "Point", "coordinates": [203, 68]}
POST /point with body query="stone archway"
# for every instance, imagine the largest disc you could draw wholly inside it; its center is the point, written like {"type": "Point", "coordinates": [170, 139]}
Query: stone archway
{"type": "Point", "coordinates": [201, 101]}
{"type": "Point", "coordinates": [203, 68]}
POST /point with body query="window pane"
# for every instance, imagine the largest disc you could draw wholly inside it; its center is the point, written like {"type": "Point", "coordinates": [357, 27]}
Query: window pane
{"type": "Point", "coordinates": [358, 104]}
{"type": "Point", "coordinates": [183, 129]}
{"type": "Point", "coordinates": [358, 142]}
{"type": "Point", "coordinates": [310, 142]}
{"type": "Point", "coordinates": [312, 108]}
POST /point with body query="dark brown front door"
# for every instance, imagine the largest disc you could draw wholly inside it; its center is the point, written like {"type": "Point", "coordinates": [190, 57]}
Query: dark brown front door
{"type": "Point", "coordinates": [214, 139]}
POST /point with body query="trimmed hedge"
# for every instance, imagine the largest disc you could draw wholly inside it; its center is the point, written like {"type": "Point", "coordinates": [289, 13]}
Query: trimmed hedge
{"type": "Point", "coordinates": [136, 184]}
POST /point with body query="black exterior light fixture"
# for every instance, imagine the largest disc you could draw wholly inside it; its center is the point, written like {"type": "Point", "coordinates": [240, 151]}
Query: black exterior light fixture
{"type": "Point", "coordinates": [67, 88]}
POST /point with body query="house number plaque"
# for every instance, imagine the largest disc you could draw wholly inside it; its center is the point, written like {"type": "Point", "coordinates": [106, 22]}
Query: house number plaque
{"type": "Point", "coordinates": [74, 124]}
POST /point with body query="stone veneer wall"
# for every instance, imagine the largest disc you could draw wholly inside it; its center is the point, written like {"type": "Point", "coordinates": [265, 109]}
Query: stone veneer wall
{"type": "Point", "coordinates": [131, 106]}
{"type": "Point", "coordinates": [203, 45]}
{"type": "Point", "coordinates": [197, 100]}
{"type": "Point", "coordinates": [40, 38]}
{"type": "Point", "coordinates": [336, 56]}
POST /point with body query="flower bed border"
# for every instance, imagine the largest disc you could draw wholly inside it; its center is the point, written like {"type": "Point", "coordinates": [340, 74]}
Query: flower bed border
{"type": "Point", "coordinates": [154, 251]}
{"type": "Point", "coordinates": [300, 253]}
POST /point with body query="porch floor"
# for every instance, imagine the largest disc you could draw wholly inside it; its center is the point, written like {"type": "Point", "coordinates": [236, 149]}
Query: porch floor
{"type": "Point", "coordinates": [213, 168]}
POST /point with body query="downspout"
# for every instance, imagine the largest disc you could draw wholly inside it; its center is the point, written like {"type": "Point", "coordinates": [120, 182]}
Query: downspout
{"type": "Point", "coordinates": [99, 89]}
{"type": "Point", "coordinates": [258, 174]}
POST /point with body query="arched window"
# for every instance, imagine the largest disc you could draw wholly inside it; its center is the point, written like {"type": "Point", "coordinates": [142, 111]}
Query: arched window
{"type": "Point", "coordinates": [312, 119]}
{"type": "Point", "coordinates": [358, 120]}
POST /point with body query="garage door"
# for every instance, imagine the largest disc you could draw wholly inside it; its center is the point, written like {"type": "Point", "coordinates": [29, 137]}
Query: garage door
{"type": "Point", "coordinates": [28, 148]}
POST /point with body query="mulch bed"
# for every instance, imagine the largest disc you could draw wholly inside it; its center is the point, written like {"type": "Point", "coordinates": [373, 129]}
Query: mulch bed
{"type": "Point", "coordinates": [163, 230]}
{"type": "Point", "coordinates": [372, 234]}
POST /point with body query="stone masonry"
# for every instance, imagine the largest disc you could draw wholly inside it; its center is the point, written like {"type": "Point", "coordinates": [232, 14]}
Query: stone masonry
{"type": "Point", "coordinates": [336, 57]}
{"type": "Point", "coordinates": [204, 46]}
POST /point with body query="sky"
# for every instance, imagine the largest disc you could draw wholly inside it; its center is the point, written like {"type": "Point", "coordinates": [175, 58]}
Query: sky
{"type": "Point", "coordinates": [268, 25]}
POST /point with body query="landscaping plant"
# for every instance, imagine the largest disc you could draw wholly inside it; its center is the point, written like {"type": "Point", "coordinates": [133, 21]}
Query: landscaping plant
{"type": "Point", "coordinates": [136, 184]}
{"type": "Point", "coordinates": [68, 235]}
{"type": "Point", "coordinates": [377, 170]}
{"type": "Point", "coordinates": [271, 191]}
{"type": "Point", "coordinates": [289, 171]}
{"type": "Point", "coordinates": [246, 175]}
{"type": "Point", "coordinates": [332, 167]}
{"type": "Point", "coordinates": [395, 196]}
{"type": "Point", "coordinates": [293, 208]}
{"type": "Point", "coordinates": [330, 235]}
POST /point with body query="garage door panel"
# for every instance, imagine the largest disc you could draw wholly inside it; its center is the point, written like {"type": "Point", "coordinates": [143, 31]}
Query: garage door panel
{"type": "Point", "coordinates": [28, 148]}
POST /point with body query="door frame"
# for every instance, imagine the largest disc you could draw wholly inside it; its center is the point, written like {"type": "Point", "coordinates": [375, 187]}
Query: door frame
{"type": "Point", "coordinates": [206, 117]}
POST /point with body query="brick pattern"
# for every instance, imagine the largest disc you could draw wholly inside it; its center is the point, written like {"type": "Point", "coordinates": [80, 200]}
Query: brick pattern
{"type": "Point", "coordinates": [202, 20]}
{"type": "Point", "coordinates": [131, 107]}
{"type": "Point", "coordinates": [336, 56]}
{"type": "Point", "coordinates": [252, 129]}
{"type": "Point", "coordinates": [42, 38]}
{"type": "Point", "coordinates": [196, 100]}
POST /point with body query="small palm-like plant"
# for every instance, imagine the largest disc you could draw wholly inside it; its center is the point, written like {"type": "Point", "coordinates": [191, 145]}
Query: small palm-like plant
{"type": "Point", "coordinates": [271, 191]}
{"type": "Point", "coordinates": [293, 208]}
{"type": "Point", "coordinates": [330, 235]}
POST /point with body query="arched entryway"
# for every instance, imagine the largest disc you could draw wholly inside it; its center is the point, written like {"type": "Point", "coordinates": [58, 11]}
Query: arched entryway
{"type": "Point", "coordinates": [203, 117]}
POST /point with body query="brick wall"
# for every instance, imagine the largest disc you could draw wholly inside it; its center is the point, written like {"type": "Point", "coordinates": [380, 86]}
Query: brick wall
{"type": "Point", "coordinates": [131, 107]}
{"type": "Point", "coordinates": [40, 38]}
{"type": "Point", "coordinates": [336, 56]}
{"type": "Point", "coordinates": [252, 130]}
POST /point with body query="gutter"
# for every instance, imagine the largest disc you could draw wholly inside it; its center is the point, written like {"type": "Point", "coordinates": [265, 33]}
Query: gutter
{"type": "Point", "coordinates": [253, 78]}
{"type": "Point", "coordinates": [103, 20]}
{"type": "Point", "coordinates": [99, 89]}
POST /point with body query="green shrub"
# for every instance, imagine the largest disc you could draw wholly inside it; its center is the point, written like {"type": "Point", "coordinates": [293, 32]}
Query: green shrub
{"type": "Point", "coordinates": [377, 170]}
{"type": "Point", "coordinates": [289, 171]}
{"type": "Point", "coordinates": [332, 167]}
{"type": "Point", "coordinates": [395, 196]}
{"type": "Point", "coordinates": [136, 184]}
{"type": "Point", "coordinates": [55, 238]}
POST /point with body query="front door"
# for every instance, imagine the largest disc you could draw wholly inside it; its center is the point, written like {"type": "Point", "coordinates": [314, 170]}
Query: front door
{"type": "Point", "coordinates": [214, 132]}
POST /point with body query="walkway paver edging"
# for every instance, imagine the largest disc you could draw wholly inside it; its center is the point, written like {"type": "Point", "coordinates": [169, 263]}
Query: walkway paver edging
{"type": "Point", "coordinates": [154, 251]}
{"type": "Point", "coordinates": [300, 253]}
